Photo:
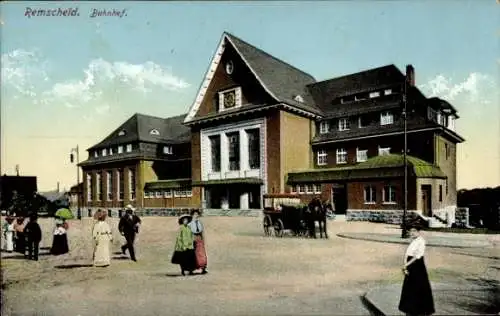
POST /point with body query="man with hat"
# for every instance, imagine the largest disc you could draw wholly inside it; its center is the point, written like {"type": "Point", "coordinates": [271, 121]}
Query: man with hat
{"type": "Point", "coordinates": [128, 227]}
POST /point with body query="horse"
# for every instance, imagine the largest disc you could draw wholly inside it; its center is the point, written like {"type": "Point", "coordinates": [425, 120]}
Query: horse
{"type": "Point", "coordinates": [316, 213]}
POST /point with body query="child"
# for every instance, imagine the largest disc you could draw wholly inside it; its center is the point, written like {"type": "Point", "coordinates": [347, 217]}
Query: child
{"type": "Point", "coordinates": [33, 235]}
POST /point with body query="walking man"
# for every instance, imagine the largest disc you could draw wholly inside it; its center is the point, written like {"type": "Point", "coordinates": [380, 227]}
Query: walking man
{"type": "Point", "coordinates": [33, 235]}
{"type": "Point", "coordinates": [129, 227]}
{"type": "Point", "coordinates": [199, 241]}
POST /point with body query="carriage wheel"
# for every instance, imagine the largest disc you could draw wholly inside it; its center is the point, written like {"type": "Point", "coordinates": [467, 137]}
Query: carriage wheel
{"type": "Point", "coordinates": [267, 224]}
{"type": "Point", "coordinates": [279, 228]}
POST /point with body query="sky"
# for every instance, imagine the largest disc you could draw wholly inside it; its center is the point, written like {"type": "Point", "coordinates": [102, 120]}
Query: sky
{"type": "Point", "coordinates": [72, 80]}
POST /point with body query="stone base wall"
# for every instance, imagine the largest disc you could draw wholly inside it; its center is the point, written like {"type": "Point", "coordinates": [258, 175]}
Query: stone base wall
{"type": "Point", "coordinates": [175, 212]}
{"type": "Point", "coordinates": [378, 216]}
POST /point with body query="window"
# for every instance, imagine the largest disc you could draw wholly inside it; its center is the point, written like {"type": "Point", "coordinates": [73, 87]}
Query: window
{"type": "Point", "coordinates": [215, 152]}
{"type": "Point", "coordinates": [96, 154]}
{"type": "Point", "coordinates": [99, 186]}
{"type": "Point", "coordinates": [447, 150]}
{"type": "Point", "coordinates": [374, 94]}
{"type": "Point", "coordinates": [104, 152]}
{"type": "Point", "coordinates": [387, 91]}
{"type": "Point", "coordinates": [158, 194]}
{"type": "Point", "coordinates": [440, 193]}
{"type": "Point", "coordinates": [322, 157]}
{"type": "Point", "coordinates": [341, 156]}
{"type": "Point", "coordinates": [299, 98]}
{"type": "Point", "coordinates": [386, 118]}
{"type": "Point", "coordinates": [167, 150]}
{"type": "Point", "coordinates": [121, 133]}
{"type": "Point", "coordinates": [317, 188]}
{"type": "Point", "coordinates": [154, 132]}
{"type": "Point", "coordinates": [121, 184]}
{"type": "Point", "coordinates": [446, 186]}
{"type": "Point", "coordinates": [167, 194]}
{"type": "Point", "coordinates": [362, 122]}
{"type": "Point", "coordinates": [90, 188]}
{"type": "Point", "coordinates": [301, 188]}
{"type": "Point", "coordinates": [293, 189]}
{"type": "Point", "coordinates": [254, 148]}
{"type": "Point", "coordinates": [234, 151]}
{"type": "Point", "coordinates": [361, 155]}
{"type": "Point", "coordinates": [432, 114]}
{"type": "Point", "coordinates": [129, 148]}
{"type": "Point", "coordinates": [324, 127]}
{"type": "Point", "coordinates": [384, 151]}
{"type": "Point", "coordinates": [343, 124]}
{"type": "Point", "coordinates": [131, 184]}
{"type": "Point", "coordinates": [120, 149]}
{"type": "Point", "coordinates": [370, 194]}
{"type": "Point", "coordinates": [109, 187]}
{"type": "Point", "coordinates": [359, 97]}
{"type": "Point", "coordinates": [189, 192]}
{"type": "Point", "coordinates": [389, 194]}
{"type": "Point", "coordinates": [309, 189]}
{"type": "Point", "coordinates": [111, 151]}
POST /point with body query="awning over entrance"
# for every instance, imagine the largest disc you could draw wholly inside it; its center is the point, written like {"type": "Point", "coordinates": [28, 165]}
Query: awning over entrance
{"type": "Point", "coordinates": [385, 166]}
{"type": "Point", "coordinates": [167, 184]}
{"type": "Point", "coordinates": [228, 181]}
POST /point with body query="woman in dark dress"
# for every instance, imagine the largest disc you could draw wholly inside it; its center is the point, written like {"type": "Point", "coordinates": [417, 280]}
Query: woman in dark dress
{"type": "Point", "coordinates": [416, 295]}
{"type": "Point", "coordinates": [184, 247]}
{"type": "Point", "coordinates": [60, 242]}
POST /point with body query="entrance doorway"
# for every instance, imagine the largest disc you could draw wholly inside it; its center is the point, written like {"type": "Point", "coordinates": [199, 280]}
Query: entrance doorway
{"type": "Point", "coordinates": [426, 200]}
{"type": "Point", "coordinates": [339, 198]}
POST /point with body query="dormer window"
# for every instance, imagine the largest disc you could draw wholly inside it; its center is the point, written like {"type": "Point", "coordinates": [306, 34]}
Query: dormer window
{"type": "Point", "coordinates": [324, 127]}
{"type": "Point", "coordinates": [230, 99]}
{"type": "Point", "coordinates": [386, 118]}
{"type": "Point", "coordinates": [344, 124]}
{"type": "Point", "coordinates": [387, 91]}
{"type": "Point", "coordinates": [129, 148]}
{"type": "Point", "coordinates": [111, 151]}
{"type": "Point", "coordinates": [120, 149]}
{"type": "Point", "coordinates": [374, 94]}
{"type": "Point", "coordinates": [104, 152]}
{"type": "Point", "coordinates": [167, 150]}
{"type": "Point", "coordinates": [96, 154]}
{"type": "Point", "coordinates": [299, 98]}
{"type": "Point", "coordinates": [154, 132]}
{"type": "Point", "coordinates": [121, 133]}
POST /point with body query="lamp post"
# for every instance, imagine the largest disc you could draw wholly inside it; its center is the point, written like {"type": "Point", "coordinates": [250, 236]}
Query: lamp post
{"type": "Point", "coordinates": [404, 230]}
{"type": "Point", "coordinates": [72, 159]}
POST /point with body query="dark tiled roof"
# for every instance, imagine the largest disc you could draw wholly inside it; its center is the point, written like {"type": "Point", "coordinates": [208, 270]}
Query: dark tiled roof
{"type": "Point", "coordinates": [325, 92]}
{"type": "Point", "coordinates": [138, 128]}
{"type": "Point", "coordinates": [363, 106]}
{"type": "Point", "coordinates": [135, 155]}
{"type": "Point", "coordinates": [282, 79]}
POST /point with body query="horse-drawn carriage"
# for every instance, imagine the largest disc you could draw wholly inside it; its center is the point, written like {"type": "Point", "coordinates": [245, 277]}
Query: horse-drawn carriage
{"type": "Point", "coordinates": [286, 212]}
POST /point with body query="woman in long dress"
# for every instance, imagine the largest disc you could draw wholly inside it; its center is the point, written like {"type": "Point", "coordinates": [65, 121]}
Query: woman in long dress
{"type": "Point", "coordinates": [60, 241]}
{"type": "Point", "coordinates": [184, 247]}
{"type": "Point", "coordinates": [102, 241]}
{"type": "Point", "coordinates": [8, 231]}
{"type": "Point", "coordinates": [416, 294]}
{"type": "Point", "coordinates": [198, 231]}
{"type": "Point", "coordinates": [20, 244]}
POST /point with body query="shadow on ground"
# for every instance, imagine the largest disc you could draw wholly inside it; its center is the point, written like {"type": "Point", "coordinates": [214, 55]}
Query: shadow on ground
{"type": "Point", "coordinates": [74, 266]}
{"type": "Point", "coordinates": [20, 257]}
{"type": "Point", "coordinates": [488, 304]}
{"type": "Point", "coordinates": [120, 258]}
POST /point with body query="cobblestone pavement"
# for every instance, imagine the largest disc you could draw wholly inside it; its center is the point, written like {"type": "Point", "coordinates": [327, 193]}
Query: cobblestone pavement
{"type": "Point", "coordinates": [248, 274]}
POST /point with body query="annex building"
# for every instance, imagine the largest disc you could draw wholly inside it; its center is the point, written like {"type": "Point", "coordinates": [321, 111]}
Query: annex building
{"type": "Point", "coordinates": [259, 125]}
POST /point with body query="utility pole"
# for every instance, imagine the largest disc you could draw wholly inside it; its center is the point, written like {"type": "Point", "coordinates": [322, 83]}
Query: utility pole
{"type": "Point", "coordinates": [404, 230]}
{"type": "Point", "coordinates": [72, 158]}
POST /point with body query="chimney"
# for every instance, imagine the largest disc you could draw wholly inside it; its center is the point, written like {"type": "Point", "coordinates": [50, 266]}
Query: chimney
{"type": "Point", "coordinates": [57, 187]}
{"type": "Point", "coordinates": [410, 75]}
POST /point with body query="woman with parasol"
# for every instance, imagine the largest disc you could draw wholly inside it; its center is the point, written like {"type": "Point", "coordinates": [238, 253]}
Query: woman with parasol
{"type": "Point", "coordinates": [60, 241]}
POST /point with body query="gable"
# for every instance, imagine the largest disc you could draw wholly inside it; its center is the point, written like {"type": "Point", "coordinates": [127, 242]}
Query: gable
{"type": "Point", "coordinates": [281, 82]}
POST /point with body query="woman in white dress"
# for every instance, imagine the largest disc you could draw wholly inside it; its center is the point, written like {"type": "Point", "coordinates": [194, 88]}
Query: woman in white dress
{"type": "Point", "coordinates": [8, 231]}
{"type": "Point", "coordinates": [102, 241]}
{"type": "Point", "coordinates": [416, 294]}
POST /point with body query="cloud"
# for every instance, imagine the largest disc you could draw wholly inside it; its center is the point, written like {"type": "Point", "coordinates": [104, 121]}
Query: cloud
{"type": "Point", "coordinates": [23, 70]}
{"type": "Point", "coordinates": [101, 74]}
{"type": "Point", "coordinates": [476, 87]}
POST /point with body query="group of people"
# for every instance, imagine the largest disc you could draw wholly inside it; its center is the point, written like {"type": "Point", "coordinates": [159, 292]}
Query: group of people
{"type": "Point", "coordinates": [189, 250]}
{"type": "Point", "coordinates": [22, 237]}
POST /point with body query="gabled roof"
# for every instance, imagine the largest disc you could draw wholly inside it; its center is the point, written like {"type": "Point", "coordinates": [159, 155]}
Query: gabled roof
{"type": "Point", "coordinates": [282, 81]}
{"type": "Point", "coordinates": [325, 92]}
{"type": "Point", "coordinates": [138, 129]}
